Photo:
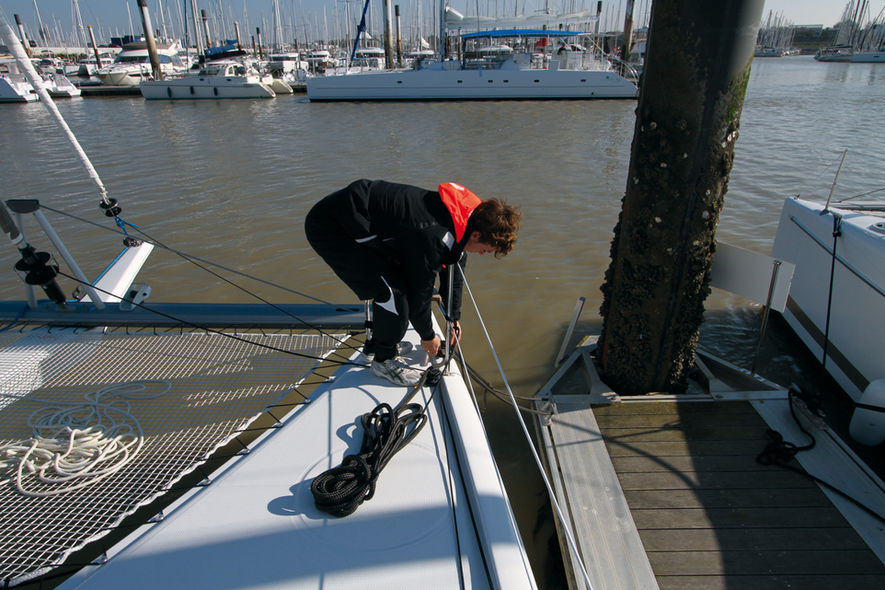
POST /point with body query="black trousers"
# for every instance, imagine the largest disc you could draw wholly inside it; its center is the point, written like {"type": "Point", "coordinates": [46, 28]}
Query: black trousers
{"type": "Point", "coordinates": [367, 271]}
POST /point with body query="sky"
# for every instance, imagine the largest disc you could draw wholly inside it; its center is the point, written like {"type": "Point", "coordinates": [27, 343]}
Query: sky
{"type": "Point", "coordinates": [111, 16]}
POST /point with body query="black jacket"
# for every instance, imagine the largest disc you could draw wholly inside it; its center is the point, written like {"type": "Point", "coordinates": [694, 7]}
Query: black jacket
{"type": "Point", "coordinates": [414, 229]}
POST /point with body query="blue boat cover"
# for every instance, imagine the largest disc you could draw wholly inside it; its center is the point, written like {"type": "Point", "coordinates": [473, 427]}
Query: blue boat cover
{"type": "Point", "coordinates": [522, 33]}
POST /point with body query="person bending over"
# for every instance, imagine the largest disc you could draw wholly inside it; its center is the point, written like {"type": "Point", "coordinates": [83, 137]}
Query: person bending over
{"type": "Point", "coordinates": [389, 241]}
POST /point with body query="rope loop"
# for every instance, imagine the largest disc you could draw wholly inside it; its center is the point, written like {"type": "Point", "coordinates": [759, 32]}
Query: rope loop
{"type": "Point", "coordinates": [386, 430]}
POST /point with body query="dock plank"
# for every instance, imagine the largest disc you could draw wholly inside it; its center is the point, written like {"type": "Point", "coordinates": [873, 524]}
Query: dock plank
{"type": "Point", "coordinates": [808, 538]}
{"type": "Point", "coordinates": [769, 582]}
{"type": "Point", "coordinates": [724, 498]}
{"type": "Point", "coordinates": [776, 517]}
{"type": "Point", "coordinates": [710, 516]}
{"type": "Point", "coordinates": [750, 562]}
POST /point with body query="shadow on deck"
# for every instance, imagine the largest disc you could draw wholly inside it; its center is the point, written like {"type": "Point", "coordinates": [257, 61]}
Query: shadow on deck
{"type": "Point", "coordinates": [666, 492]}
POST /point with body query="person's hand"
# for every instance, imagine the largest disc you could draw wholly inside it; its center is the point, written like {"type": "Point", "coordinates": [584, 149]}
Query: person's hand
{"type": "Point", "coordinates": [431, 347]}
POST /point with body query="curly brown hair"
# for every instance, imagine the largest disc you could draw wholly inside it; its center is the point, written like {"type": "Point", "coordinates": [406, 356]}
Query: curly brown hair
{"type": "Point", "coordinates": [497, 223]}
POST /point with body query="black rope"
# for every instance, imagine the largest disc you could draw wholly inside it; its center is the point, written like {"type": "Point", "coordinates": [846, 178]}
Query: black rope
{"type": "Point", "coordinates": [781, 453]}
{"type": "Point", "coordinates": [386, 430]}
{"type": "Point", "coordinates": [837, 232]}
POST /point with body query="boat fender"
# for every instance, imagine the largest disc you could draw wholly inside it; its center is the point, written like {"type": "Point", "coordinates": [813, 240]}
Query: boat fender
{"type": "Point", "coordinates": [867, 424]}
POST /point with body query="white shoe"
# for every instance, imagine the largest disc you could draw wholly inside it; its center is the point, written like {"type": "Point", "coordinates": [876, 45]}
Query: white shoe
{"type": "Point", "coordinates": [396, 371]}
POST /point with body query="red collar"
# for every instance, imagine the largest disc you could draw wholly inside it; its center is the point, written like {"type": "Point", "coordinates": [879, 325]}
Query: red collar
{"type": "Point", "coordinates": [460, 202]}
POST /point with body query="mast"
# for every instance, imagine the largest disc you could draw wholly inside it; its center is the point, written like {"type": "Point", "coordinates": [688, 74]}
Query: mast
{"type": "Point", "coordinates": [277, 26]}
{"type": "Point", "coordinates": [162, 20]}
{"type": "Point", "coordinates": [43, 36]}
{"type": "Point", "coordinates": [441, 40]}
{"type": "Point", "coordinates": [81, 33]}
{"type": "Point", "coordinates": [195, 16]}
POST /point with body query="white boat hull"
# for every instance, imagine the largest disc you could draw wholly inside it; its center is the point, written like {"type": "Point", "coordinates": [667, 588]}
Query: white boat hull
{"type": "Point", "coordinates": [855, 334]}
{"type": "Point", "coordinates": [16, 91]}
{"type": "Point", "coordinates": [197, 87]}
{"type": "Point", "coordinates": [868, 57]}
{"type": "Point", "coordinates": [471, 85]}
{"type": "Point", "coordinates": [121, 78]}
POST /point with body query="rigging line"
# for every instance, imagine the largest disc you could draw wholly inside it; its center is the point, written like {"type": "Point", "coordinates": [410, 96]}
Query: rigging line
{"type": "Point", "coordinates": [861, 195]}
{"type": "Point", "coordinates": [488, 387]}
{"type": "Point", "coordinates": [837, 232]}
{"type": "Point", "coordinates": [248, 292]}
{"type": "Point", "coordinates": [15, 47]}
{"type": "Point", "coordinates": [567, 529]}
{"type": "Point", "coordinates": [185, 255]}
{"type": "Point", "coordinates": [220, 333]}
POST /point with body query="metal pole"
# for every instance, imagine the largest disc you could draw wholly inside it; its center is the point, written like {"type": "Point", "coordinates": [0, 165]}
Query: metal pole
{"type": "Point", "coordinates": [449, 315]}
{"type": "Point", "coordinates": [627, 42]}
{"type": "Point", "coordinates": [775, 268]}
{"type": "Point", "coordinates": [835, 181]}
{"type": "Point", "coordinates": [94, 47]}
{"type": "Point", "coordinates": [149, 40]}
{"type": "Point", "coordinates": [11, 228]}
{"type": "Point", "coordinates": [399, 39]}
{"type": "Point", "coordinates": [66, 255]}
{"type": "Point", "coordinates": [21, 33]}
{"type": "Point", "coordinates": [30, 294]}
{"type": "Point", "coordinates": [568, 333]}
{"type": "Point", "coordinates": [206, 28]}
{"type": "Point", "coordinates": [388, 36]}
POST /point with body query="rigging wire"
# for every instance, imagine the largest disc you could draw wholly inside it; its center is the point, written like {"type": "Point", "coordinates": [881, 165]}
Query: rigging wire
{"type": "Point", "coordinates": [567, 529]}
{"type": "Point", "coordinates": [198, 262]}
{"type": "Point", "coordinates": [247, 291]}
{"type": "Point", "coordinates": [183, 254]}
{"type": "Point", "coordinates": [15, 47]}
{"type": "Point", "coordinates": [225, 334]}
{"type": "Point", "coordinates": [861, 195]}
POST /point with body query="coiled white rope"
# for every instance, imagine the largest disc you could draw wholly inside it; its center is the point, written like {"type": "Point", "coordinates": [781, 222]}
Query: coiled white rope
{"type": "Point", "coordinates": [568, 532]}
{"type": "Point", "coordinates": [76, 444]}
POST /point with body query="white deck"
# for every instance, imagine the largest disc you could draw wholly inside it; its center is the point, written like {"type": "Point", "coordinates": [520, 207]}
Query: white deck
{"type": "Point", "coordinates": [256, 524]}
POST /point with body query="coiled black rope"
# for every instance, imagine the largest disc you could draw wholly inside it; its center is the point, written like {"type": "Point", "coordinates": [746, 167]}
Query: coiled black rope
{"type": "Point", "coordinates": [780, 453]}
{"type": "Point", "coordinates": [386, 430]}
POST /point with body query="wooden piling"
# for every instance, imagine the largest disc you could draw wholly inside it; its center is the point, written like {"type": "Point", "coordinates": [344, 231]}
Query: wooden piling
{"type": "Point", "coordinates": [691, 94]}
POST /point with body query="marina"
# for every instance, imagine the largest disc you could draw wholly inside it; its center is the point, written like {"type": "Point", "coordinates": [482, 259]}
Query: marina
{"type": "Point", "coordinates": [791, 142]}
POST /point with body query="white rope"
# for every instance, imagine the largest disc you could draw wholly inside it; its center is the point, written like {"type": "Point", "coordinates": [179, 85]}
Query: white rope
{"type": "Point", "coordinates": [568, 532]}
{"type": "Point", "coordinates": [76, 444]}
{"type": "Point", "coordinates": [10, 39]}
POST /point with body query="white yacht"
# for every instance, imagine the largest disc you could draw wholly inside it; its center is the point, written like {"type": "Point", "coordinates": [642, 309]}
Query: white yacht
{"type": "Point", "coordinates": [14, 87]}
{"type": "Point", "coordinates": [133, 64]}
{"type": "Point", "coordinates": [493, 72]}
{"type": "Point", "coordinates": [224, 79]}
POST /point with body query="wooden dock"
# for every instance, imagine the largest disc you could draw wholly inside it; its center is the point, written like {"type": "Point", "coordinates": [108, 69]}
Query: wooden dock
{"type": "Point", "coordinates": [665, 492]}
